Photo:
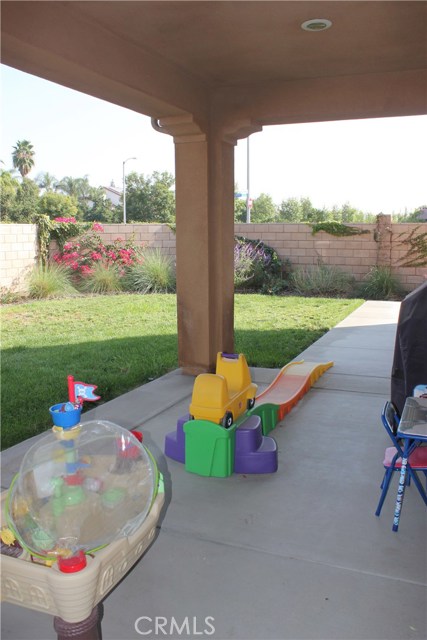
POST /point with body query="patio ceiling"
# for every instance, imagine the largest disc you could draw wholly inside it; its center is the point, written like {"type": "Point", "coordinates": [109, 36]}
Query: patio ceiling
{"type": "Point", "coordinates": [235, 43]}
{"type": "Point", "coordinates": [167, 58]}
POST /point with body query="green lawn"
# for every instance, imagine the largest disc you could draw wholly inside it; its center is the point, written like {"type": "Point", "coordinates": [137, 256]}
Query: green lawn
{"type": "Point", "coordinates": [120, 342]}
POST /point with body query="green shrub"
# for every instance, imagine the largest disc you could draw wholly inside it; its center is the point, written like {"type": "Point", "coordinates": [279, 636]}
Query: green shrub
{"type": "Point", "coordinates": [274, 286]}
{"type": "Point", "coordinates": [154, 272]}
{"type": "Point", "coordinates": [380, 283]}
{"type": "Point", "coordinates": [8, 296]}
{"type": "Point", "coordinates": [321, 280]}
{"type": "Point", "coordinates": [50, 281]}
{"type": "Point", "coordinates": [102, 278]}
{"type": "Point", "coordinates": [256, 265]}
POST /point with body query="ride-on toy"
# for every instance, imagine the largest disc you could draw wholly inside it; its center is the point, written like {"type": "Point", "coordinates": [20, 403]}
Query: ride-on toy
{"type": "Point", "coordinates": [226, 399]}
{"type": "Point", "coordinates": [223, 396]}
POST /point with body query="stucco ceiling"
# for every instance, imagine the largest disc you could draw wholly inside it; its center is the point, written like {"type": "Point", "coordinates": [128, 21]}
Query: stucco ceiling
{"type": "Point", "coordinates": [234, 43]}
{"type": "Point", "coordinates": [242, 62]}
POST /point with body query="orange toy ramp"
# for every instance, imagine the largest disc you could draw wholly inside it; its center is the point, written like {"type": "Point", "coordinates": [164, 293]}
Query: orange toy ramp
{"type": "Point", "coordinates": [291, 383]}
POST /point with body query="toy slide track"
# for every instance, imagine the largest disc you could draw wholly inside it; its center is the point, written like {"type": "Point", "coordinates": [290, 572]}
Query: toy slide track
{"type": "Point", "coordinates": [290, 384]}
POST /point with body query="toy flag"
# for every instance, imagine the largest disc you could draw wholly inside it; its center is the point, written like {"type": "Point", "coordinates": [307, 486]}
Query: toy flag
{"type": "Point", "coordinates": [80, 391]}
{"type": "Point", "coordinates": [85, 391]}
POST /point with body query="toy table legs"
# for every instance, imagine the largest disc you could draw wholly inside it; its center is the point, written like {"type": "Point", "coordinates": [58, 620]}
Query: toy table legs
{"type": "Point", "coordinates": [89, 629]}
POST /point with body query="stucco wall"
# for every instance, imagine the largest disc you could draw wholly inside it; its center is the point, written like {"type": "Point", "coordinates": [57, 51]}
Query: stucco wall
{"type": "Point", "coordinates": [354, 254]}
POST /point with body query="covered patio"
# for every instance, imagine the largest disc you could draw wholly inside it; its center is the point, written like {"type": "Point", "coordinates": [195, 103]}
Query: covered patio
{"type": "Point", "coordinates": [298, 554]}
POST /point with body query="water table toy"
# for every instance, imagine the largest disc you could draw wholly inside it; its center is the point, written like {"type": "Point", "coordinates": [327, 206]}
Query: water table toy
{"type": "Point", "coordinates": [81, 511]}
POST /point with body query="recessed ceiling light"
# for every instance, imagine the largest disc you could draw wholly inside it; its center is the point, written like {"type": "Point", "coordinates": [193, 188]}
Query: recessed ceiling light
{"type": "Point", "coordinates": [316, 24]}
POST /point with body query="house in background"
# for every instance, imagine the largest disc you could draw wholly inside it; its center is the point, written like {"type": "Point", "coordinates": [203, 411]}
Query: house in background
{"type": "Point", "coordinates": [112, 195]}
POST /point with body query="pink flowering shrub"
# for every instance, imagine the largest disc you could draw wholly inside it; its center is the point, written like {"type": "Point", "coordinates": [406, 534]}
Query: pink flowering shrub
{"type": "Point", "coordinates": [81, 254]}
{"type": "Point", "coordinates": [66, 220]}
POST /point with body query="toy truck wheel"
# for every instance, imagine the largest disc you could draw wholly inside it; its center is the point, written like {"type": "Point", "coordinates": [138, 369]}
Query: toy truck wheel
{"type": "Point", "coordinates": [251, 403]}
{"type": "Point", "coordinates": [227, 420]}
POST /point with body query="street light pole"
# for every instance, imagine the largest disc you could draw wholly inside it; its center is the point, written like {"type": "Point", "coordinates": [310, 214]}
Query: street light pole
{"type": "Point", "coordinates": [124, 189]}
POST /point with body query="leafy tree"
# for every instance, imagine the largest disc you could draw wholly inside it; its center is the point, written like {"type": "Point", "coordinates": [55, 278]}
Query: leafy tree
{"type": "Point", "coordinates": [290, 210]}
{"type": "Point", "coordinates": [98, 208]}
{"type": "Point", "coordinates": [26, 201]}
{"type": "Point", "coordinates": [71, 186]}
{"type": "Point", "coordinates": [309, 213]}
{"type": "Point", "coordinates": [300, 210]}
{"type": "Point", "coordinates": [8, 189]}
{"type": "Point", "coordinates": [91, 202]}
{"type": "Point", "coordinates": [46, 181]}
{"type": "Point", "coordinates": [264, 209]}
{"type": "Point", "coordinates": [150, 199]}
{"type": "Point", "coordinates": [347, 214]}
{"type": "Point", "coordinates": [80, 190]}
{"type": "Point", "coordinates": [23, 157]}
{"type": "Point", "coordinates": [239, 210]}
{"type": "Point", "coordinates": [57, 205]}
{"type": "Point", "coordinates": [413, 216]}
{"type": "Point", "coordinates": [350, 214]}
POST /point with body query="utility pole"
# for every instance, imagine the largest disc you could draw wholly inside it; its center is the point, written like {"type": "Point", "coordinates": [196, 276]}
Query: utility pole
{"type": "Point", "coordinates": [124, 189]}
{"type": "Point", "coordinates": [248, 208]}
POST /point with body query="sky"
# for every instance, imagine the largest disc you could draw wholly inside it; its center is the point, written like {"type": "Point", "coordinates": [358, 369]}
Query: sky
{"type": "Point", "coordinates": [377, 166]}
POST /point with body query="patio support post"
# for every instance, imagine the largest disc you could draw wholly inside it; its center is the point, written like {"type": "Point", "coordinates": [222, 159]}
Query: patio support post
{"type": "Point", "coordinates": [204, 249]}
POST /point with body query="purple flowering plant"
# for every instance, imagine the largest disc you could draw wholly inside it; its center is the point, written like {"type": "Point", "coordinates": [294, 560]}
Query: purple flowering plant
{"type": "Point", "coordinates": [255, 263]}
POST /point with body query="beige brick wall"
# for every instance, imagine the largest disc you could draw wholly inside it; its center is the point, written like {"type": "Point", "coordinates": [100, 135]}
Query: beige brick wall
{"type": "Point", "coordinates": [410, 277]}
{"type": "Point", "coordinates": [18, 249]}
{"type": "Point", "coordinates": [354, 254]}
{"type": "Point", "coordinates": [149, 235]}
{"type": "Point", "coordinates": [145, 235]}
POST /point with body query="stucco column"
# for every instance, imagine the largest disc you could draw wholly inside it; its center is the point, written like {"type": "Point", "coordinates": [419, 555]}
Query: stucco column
{"type": "Point", "coordinates": [204, 249]}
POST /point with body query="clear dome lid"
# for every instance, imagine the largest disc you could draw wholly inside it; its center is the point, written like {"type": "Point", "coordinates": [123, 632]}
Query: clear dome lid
{"type": "Point", "coordinates": [80, 489]}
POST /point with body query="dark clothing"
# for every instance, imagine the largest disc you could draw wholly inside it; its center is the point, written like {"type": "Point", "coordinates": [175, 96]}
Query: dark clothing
{"type": "Point", "coordinates": [410, 352]}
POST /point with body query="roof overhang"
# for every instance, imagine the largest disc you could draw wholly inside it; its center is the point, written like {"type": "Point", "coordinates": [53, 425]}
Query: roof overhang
{"type": "Point", "coordinates": [237, 65]}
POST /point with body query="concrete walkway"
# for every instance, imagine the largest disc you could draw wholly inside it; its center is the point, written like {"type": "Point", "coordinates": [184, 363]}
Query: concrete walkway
{"type": "Point", "coordinates": [294, 555]}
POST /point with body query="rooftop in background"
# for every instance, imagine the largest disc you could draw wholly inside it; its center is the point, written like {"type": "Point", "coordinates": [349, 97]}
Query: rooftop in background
{"type": "Point", "coordinates": [113, 195]}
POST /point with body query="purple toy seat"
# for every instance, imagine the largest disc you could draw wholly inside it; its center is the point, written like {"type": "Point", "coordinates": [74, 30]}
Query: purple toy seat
{"type": "Point", "coordinates": [175, 441]}
{"type": "Point", "coordinates": [254, 453]}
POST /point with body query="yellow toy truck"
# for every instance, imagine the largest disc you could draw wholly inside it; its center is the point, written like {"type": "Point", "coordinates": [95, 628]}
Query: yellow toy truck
{"type": "Point", "coordinates": [223, 396]}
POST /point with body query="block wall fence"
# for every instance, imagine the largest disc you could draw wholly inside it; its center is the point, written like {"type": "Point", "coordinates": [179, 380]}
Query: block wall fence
{"type": "Point", "coordinates": [18, 254]}
{"type": "Point", "coordinates": [356, 254]}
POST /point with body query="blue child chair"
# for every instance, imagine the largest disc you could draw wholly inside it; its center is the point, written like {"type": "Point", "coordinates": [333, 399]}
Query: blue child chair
{"type": "Point", "coordinates": [393, 455]}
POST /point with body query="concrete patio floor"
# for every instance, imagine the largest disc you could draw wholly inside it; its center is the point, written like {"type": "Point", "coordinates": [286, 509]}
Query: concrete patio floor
{"type": "Point", "coordinates": [298, 554]}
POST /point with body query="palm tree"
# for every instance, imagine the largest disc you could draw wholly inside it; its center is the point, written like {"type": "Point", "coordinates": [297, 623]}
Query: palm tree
{"type": "Point", "coordinates": [74, 187]}
{"type": "Point", "coordinates": [46, 181]}
{"type": "Point", "coordinates": [80, 190]}
{"type": "Point", "coordinates": [23, 157]}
